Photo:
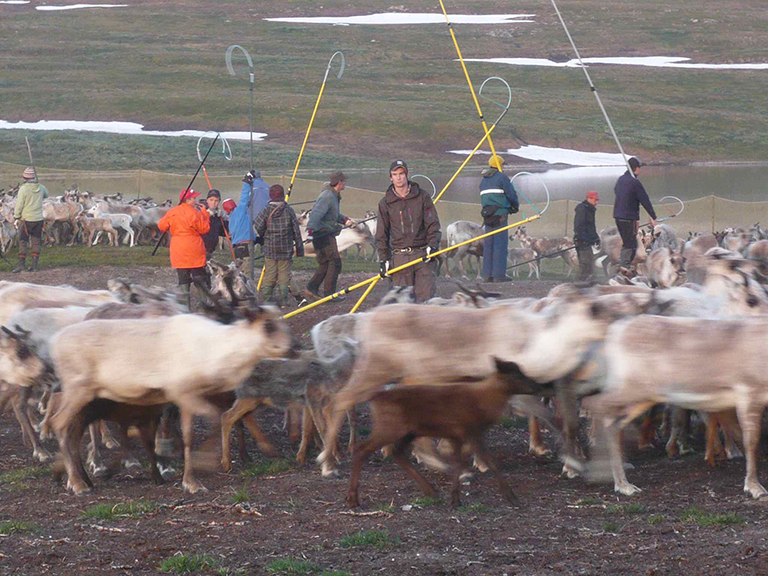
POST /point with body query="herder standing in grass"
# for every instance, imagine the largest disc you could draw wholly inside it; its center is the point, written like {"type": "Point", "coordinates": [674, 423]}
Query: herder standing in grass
{"type": "Point", "coordinates": [585, 235]}
{"type": "Point", "coordinates": [499, 199]}
{"type": "Point", "coordinates": [325, 223]}
{"type": "Point", "coordinates": [218, 227]}
{"type": "Point", "coordinates": [278, 226]}
{"type": "Point", "coordinates": [28, 218]}
{"type": "Point", "coordinates": [630, 193]}
{"type": "Point", "coordinates": [187, 223]}
{"type": "Point", "coordinates": [240, 222]}
{"type": "Point", "coordinates": [408, 228]}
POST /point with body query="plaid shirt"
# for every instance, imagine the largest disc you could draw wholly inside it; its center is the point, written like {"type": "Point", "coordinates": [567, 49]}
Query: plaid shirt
{"type": "Point", "coordinates": [278, 225]}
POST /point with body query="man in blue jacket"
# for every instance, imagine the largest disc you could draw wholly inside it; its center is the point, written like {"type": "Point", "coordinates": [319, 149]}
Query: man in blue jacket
{"type": "Point", "coordinates": [240, 222]}
{"type": "Point", "coordinates": [626, 211]}
{"type": "Point", "coordinates": [499, 199]}
{"type": "Point", "coordinates": [259, 196]}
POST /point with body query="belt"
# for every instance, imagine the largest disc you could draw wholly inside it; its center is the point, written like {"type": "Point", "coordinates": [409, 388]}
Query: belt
{"type": "Point", "coordinates": [408, 250]}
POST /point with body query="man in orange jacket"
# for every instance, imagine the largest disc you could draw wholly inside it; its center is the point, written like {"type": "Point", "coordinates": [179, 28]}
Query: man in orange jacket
{"type": "Point", "coordinates": [187, 223]}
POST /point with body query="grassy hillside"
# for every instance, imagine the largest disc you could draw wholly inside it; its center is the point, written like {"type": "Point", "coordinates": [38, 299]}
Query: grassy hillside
{"type": "Point", "coordinates": [161, 63]}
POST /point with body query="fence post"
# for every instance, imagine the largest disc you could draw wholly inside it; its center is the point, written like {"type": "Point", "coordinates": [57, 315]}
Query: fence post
{"type": "Point", "coordinates": [138, 194]}
{"type": "Point", "coordinates": [567, 204]}
{"type": "Point", "coordinates": [713, 213]}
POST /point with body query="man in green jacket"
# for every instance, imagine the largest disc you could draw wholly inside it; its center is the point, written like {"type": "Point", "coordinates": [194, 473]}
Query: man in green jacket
{"type": "Point", "coordinates": [325, 223]}
{"type": "Point", "coordinates": [28, 218]}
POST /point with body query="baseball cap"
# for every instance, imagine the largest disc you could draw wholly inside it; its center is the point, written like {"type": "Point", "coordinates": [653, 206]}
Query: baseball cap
{"type": "Point", "coordinates": [634, 163]}
{"type": "Point", "coordinates": [188, 193]}
{"type": "Point", "coordinates": [337, 177]}
{"type": "Point", "coordinates": [398, 164]}
{"type": "Point", "coordinates": [593, 194]}
{"type": "Point", "coordinates": [214, 194]}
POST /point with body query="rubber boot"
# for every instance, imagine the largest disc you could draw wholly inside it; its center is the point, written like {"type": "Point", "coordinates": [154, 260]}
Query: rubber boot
{"type": "Point", "coordinates": [21, 266]}
{"type": "Point", "coordinates": [186, 292]}
{"type": "Point", "coordinates": [34, 267]}
{"type": "Point", "coordinates": [266, 293]}
{"type": "Point", "coordinates": [285, 294]}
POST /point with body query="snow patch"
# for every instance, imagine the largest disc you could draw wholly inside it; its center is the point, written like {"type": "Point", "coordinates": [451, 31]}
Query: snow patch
{"type": "Point", "coordinates": [408, 18]}
{"type": "Point", "coordinates": [649, 61]}
{"type": "Point", "coordinates": [76, 6]}
{"type": "Point", "coordinates": [119, 128]}
{"type": "Point", "coordinates": [558, 156]}
{"type": "Point", "coordinates": [14, 1]}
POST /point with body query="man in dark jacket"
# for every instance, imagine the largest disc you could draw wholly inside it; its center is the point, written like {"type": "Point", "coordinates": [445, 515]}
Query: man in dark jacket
{"type": "Point", "coordinates": [278, 225]}
{"type": "Point", "coordinates": [585, 234]}
{"type": "Point", "coordinates": [325, 223]}
{"type": "Point", "coordinates": [407, 229]}
{"type": "Point", "coordinates": [626, 211]}
{"type": "Point", "coordinates": [499, 199]}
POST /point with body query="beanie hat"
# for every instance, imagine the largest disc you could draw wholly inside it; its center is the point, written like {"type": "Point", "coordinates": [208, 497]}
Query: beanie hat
{"type": "Point", "coordinates": [276, 193]}
{"type": "Point", "coordinates": [337, 177]}
{"type": "Point", "coordinates": [29, 173]}
{"type": "Point", "coordinates": [634, 163]}
{"type": "Point", "coordinates": [592, 194]}
{"type": "Point", "coordinates": [213, 193]}
{"type": "Point", "coordinates": [228, 205]}
{"type": "Point", "coordinates": [496, 161]}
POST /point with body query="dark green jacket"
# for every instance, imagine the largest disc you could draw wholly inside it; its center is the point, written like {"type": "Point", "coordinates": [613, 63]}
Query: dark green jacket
{"type": "Point", "coordinates": [326, 216]}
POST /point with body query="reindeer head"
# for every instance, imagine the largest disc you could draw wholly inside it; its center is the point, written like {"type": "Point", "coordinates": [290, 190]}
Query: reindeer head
{"type": "Point", "coordinates": [19, 362]}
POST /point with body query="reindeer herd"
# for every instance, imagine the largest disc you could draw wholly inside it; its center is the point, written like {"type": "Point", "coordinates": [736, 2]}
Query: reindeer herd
{"type": "Point", "coordinates": [683, 339]}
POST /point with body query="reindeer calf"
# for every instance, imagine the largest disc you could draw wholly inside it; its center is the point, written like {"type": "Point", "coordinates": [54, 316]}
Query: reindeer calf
{"type": "Point", "coordinates": [460, 413]}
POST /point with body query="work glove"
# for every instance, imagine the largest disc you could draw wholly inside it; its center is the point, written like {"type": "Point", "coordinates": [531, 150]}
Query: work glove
{"type": "Point", "coordinates": [252, 173]}
{"type": "Point", "coordinates": [383, 268]}
{"type": "Point", "coordinates": [349, 223]}
{"type": "Point", "coordinates": [16, 222]}
{"type": "Point", "coordinates": [248, 178]}
{"type": "Point", "coordinates": [514, 210]}
{"type": "Point", "coordinates": [430, 250]}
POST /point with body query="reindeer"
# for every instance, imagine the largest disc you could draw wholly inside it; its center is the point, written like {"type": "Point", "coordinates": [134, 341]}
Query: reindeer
{"type": "Point", "coordinates": [545, 246]}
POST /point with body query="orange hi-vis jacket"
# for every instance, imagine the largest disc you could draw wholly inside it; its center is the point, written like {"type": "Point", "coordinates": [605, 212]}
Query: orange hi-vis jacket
{"type": "Point", "coordinates": [186, 224]}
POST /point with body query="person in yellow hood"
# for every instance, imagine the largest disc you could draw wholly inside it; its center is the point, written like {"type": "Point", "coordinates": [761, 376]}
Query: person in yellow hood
{"type": "Point", "coordinates": [28, 218]}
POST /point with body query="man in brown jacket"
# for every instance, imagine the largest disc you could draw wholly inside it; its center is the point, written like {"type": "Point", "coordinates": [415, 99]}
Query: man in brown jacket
{"type": "Point", "coordinates": [408, 228]}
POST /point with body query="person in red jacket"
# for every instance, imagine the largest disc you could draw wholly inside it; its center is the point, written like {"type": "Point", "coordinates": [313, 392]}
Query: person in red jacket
{"type": "Point", "coordinates": [187, 222]}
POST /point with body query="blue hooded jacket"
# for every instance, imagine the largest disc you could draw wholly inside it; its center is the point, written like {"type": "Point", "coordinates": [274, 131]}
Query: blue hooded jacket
{"type": "Point", "coordinates": [239, 221]}
{"type": "Point", "coordinates": [260, 196]}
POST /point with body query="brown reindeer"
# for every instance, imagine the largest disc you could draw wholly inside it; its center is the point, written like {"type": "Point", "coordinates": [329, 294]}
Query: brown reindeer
{"type": "Point", "coordinates": [544, 246]}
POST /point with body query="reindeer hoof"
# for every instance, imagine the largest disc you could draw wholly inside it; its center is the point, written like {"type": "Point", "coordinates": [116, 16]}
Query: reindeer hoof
{"type": "Point", "coordinates": [42, 455]}
{"type": "Point", "coordinates": [166, 471]}
{"type": "Point", "coordinates": [131, 463]}
{"type": "Point", "coordinates": [193, 486]}
{"type": "Point", "coordinates": [353, 501]}
{"type": "Point", "coordinates": [627, 489]}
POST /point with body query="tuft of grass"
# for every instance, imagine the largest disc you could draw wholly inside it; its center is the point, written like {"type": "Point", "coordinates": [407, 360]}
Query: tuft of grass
{"type": "Point", "coordinates": [610, 527]}
{"type": "Point", "coordinates": [375, 538]}
{"type": "Point", "coordinates": [704, 518]}
{"type": "Point", "coordinates": [635, 508]}
{"type": "Point", "coordinates": [335, 573]}
{"type": "Point", "coordinates": [388, 508]}
{"type": "Point", "coordinates": [241, 495]}
{"type": "Point", "coordinates": [22, 474]}
{"type": "Point", "coordinates": [589, 501]}
{"type": "Point", "coordinates": [113, 511]}
{"type": "Point", "coordinates": [426, 502]}
{"type": "Point", "coordinates": [292, 566]}
{"type": "Point", "coordinates": [268, 468]}
{"type": "Point", "coordinates": [14, 526]}
{"type": "Point", "coordinates": [474, 508]}
{"type": "Point", "coordinates": [654, 519]}
{"type": "Point", "coordinates": [187, 563]}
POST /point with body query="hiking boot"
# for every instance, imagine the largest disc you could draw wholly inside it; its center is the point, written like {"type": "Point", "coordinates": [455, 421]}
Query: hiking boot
{"type": "Point", "coordinates": [488, 280]}
{"type": "Point", "coordinates": [504, 279]}
{"type": "Point", "coordinates": [266, 293]}
{"type": "Point", "coordinates": [21, 266]}
{"type": "Point", "coordinates": [311, 296]}
{"type": "Point", "coordinates": [284, 294]}
{"type": "Point", "coordinates": [339, 298]}
{"type": "Point", "coordinates": [34, 267]}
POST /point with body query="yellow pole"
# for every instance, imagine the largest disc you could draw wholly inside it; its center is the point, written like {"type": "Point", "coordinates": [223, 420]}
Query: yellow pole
{"type": "Point", "coordinates": [487, 136]}
{"type": "Point", "coordinates": [407, 265]}
{"type": "Point", "coordinates": [365, 295]}
{"type": "Point", "coordinates": [261, 278]}
{"type": "Point", "coordinates": [466, 73]}
{"type": "Point", "coordinates": [306, 137]}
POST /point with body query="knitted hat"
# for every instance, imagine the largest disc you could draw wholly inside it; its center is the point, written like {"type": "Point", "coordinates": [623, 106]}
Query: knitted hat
{"type": "Point", "coordinates": [276, 193]}
{"type": "Point", "coordinates": [214, 194]}
{"type": "Point", "coordinates": [29, 173]}
{"type": "Point", "coordinates": [592, 194]}
{"type": "Point", "coordinates": [496, 161]}
{"type": "Point", "coordinates": [228, 205]}
{"type": "Point", "coordinates": [337, 177]}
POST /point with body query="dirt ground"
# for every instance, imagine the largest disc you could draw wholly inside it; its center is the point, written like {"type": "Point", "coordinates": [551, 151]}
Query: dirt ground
{"type": "Point", "coordinates": [689, 518]}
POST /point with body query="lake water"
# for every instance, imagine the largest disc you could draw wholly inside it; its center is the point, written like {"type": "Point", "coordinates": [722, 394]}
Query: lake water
{"type": "Point", "coordinates": [735, 182]}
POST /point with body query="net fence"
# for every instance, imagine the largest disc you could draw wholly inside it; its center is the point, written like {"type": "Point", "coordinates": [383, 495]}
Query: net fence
{"type": "Point", "coordinates": [703, 214]}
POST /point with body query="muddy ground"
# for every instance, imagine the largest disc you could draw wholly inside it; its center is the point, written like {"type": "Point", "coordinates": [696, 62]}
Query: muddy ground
{"type": "Point", "coordinates": [689, 518]}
